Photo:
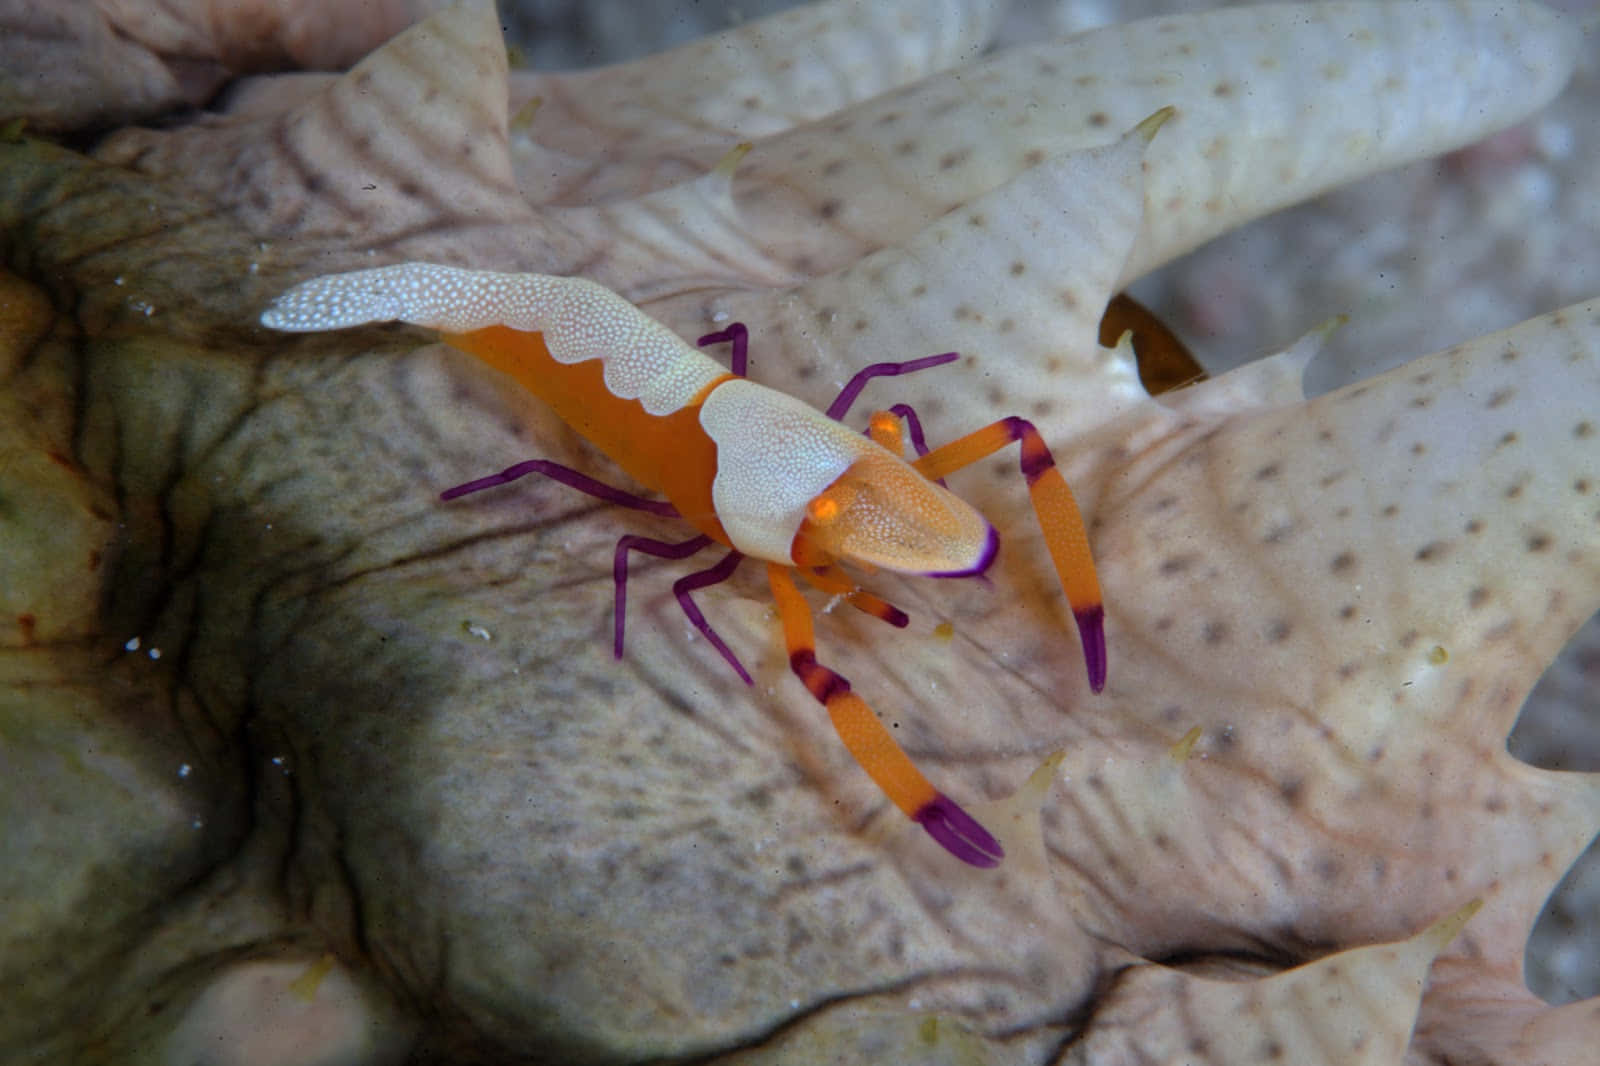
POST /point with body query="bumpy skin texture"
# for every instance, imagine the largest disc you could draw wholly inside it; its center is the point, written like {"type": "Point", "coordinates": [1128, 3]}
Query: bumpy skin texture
{"type": "Point", "coordinates": [392, 730]}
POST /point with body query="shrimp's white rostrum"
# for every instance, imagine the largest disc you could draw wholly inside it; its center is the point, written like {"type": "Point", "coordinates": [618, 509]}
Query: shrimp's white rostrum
{"type": "Point", "coordinates": [749, 467]}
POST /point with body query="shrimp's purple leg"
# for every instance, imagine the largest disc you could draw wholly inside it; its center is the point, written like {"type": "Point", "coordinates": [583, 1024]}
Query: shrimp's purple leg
{"type": "Point", "coordinates": [847, 395]}
{"type": "Point", "coordinates": [661, 549]}
{"type": "Point", "coordinates": [913, 424]}
{"type": "Point", "coordinates": [681, 588]}
{"type": "Point", "coordinates": [701, 579]}
{"type": "Point", "coordinates": [567, 476]}
{"type": "Point", "coordinates": [739, 360]}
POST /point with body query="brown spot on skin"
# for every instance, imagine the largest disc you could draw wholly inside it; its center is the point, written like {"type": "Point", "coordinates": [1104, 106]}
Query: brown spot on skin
{"type": "Point", "coordinates": [1069, 299]}
{"type": "Point", "coordinates": [919, 290]}
{"type": "Point", "coordinates": [829, 208]}
{"type": "Point", "coordinates": [1390, 510]}
{"type": "Point", "coordinates": [1177, 564]}
{"type": "Point", "coordinates": [1214, 632]}
{"type": "Point", "coordinates": [1477, 597]}
{"type": "Point", "coordinates": [888, 118]}
{"type": "Point", "coordinates": [1538, 542]}
{"type": "Point", "coordinates": [1430, 551]}
{"type": "Point", "coordinates": [1494, 805]}
{"type": "Point", "coordinates": [1507, 438]}
{"type": "Point", "coordinates": [1583, 430]}
{"type": "Point", "coordinates": [1509, 355]}
{"type": "Point", "coordinates": [1421, 402]}
{"type": "Point", "coordinates": [1499, 397]}
{"type": "Point", "coordinates": [1164, 623]}
{"type": "Point", "coordinates": [1268, 472]}
{"type": "Point", "coordinates": [1278, 630]}
{"type": "Point", "coordinates": [834, 167]}
{"type": "Point", "coordinates": [859, 325]}
{"type": "Point", "coordinates": [1222, 90]}
{"type": "Point", "coordinates": [951, 160]}
{"type": "Point", "coordinates": [977, 220]}
{"type": "Point", "coordinates": [1348, 670]}
{"type": "Point", "coordinates": [1409, 638]}
{"type": "Point", "coordinates": [1033, 157]}
{"type": "Point", "coordinates": [1342, 562]}
{"type": "Point", "coordinates": [1347, 612]}
{"type": "Point", "coordinates": [1513, 492]}
{"type": "Point", "coordinates": [1474, 525]}
{"type": "Point", "coordinates": [1099, 120]}
{"type": "Point", "coordinates": [1018, 268]}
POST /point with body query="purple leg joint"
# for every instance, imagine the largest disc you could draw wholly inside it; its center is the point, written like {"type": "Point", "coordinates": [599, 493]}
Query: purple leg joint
{"type": "Point", "coordinates": [739, 361]}
{"type": "Point", "coordinates": [959, 833]}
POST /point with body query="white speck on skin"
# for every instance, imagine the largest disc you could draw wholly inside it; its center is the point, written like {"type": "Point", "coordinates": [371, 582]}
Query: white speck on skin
{"type": "Point", "coordinates": [132, 644]}
{"type": "Point", "coordinates": [154, 653]}
{"type": "Point", "coordinates": [184, 769]}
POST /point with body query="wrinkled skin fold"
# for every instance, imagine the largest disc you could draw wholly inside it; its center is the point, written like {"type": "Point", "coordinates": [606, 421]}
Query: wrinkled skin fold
{"type": "Point", "coordinates": [292, 746]}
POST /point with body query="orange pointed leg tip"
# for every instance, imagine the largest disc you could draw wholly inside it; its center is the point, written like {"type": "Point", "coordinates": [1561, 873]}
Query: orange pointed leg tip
{"type": "Point", "coordinates": [959, 833]}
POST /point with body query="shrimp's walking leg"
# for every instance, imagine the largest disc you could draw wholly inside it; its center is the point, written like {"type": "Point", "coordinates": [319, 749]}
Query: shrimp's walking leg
{"type": "Point", "coordinates": [739, 360]}
{"type": "Point", "coordinates": [1059, 517]}
{"type": "Point", "coordinates": [700, 579]}
{"type": "Point", "coordinates": [847, 395]}
{"type": "Point", "coordinates": [884, 429]}
{"type": "Point", "coordinates": [681, 588]}
{"type": "Point", "coordinates": [567, 476]}
{"type": "Point", "coordinates": [835, 582]}
{"type": "Point", "coordinates": [870, 743]}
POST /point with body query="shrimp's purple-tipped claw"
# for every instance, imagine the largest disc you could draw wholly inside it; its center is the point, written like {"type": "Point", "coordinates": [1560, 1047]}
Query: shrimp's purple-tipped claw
{"type": "Point", "coordinates": [959, 832]}
{"type": "Point", "coordinates": [1092, 632]}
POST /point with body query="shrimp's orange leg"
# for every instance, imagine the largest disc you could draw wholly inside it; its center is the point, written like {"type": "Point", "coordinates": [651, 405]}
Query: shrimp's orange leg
{"type": "Point", "coordinates": [1058, 515]}
{"type": "Point", "coordinates": [867, 739]}
{"type": "Point", "coordinates": [835, 582]}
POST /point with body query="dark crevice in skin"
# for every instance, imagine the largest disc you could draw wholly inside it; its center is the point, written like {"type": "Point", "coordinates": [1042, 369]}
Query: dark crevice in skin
{"type": "Point", "coordinates": [1079, 1022]}
{"type": "Point", "coordinates": [810, 1012]}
